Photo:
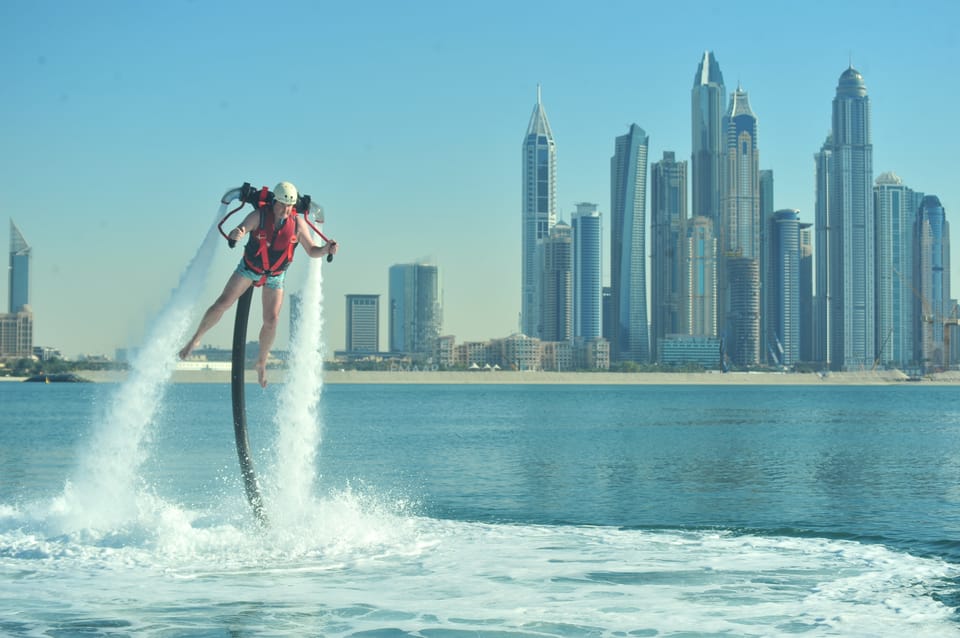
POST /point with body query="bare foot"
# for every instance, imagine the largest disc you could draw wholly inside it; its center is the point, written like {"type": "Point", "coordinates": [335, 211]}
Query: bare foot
{"type": "Point", "coordinates": [262, 374]}
{"type": "Point", "coordinates": [187, 349]}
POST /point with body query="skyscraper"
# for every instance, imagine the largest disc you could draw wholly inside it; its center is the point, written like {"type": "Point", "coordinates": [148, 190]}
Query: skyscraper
{"type": "Point", "coordinates": [851, 291]}
{"type": "Point", "coordinates": [19, 283]}
{"type": "Point", "coordinates": [363, 324]}
{"type": "Point", "coordinates": [628, 278]}
{"type": "Point", "coordinates": [807, 307]}
{"type": "Point", "coordinates": [742, 336]}
{"type": "Point", "coordinates": [701, 278]}
{"type": "Point", "coordinates": [740, 232]}
{"type": "Point", "coordinates": [587, 269]}
{"type": "Point", "coordinates": [825, 254]}
{"type": "Point", "coordinates": [709, 99]}
{"type": "Point", "coordinates": [896, 208]}
{"type": "Point", "coordinates": [741, 193]}
{"type": "Point", "coordinates": [668, 234]}
{"type": "Point", "coordinates": [415, 308]}
{"type": "Point", "coordinates": [558, 284]}
{"type": "Point", "coordinates": [784, 295]}
{"type": "Point", "coordinates": [932, 280]}
{"type": "Point", "coordinates": [766, 221]}
{"type": "Point", "coordinates": [16, 326]}
{"type": "Point", "coordinates": [539, 211]}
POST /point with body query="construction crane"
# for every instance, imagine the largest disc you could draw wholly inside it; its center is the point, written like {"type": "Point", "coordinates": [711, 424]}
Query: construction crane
{"type": "Point", "coordinates": [927, 316]}
{"type": "Point", "coordinates": [950, 320]}
{"type": "Point", "coordinates": [883, 345]}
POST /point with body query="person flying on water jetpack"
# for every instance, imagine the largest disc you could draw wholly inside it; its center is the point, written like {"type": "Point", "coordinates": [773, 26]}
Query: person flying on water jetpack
{"type": "Point", "coordinates": [274, 229]}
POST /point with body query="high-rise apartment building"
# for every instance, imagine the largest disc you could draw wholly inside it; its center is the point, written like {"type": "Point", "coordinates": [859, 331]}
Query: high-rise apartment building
{"type": "Point", "coordinates": [807, 302]}
{"type": "Point", "coordinates": [896, 207]}
{"type": "Point", "coordinates": [606, 312]}
{"type": "Point", "coordinates": [851, 291]}
{"type": "Point", "coordinates": [784, 276]}
{"type": "Point", "coordinates": [628, 277]}
{"type": "Point", "coordinates": [739, 299]}
{"type": "Point", "coordinates": [766, 219]}
{"type": "Point", "coordinates": [558, 284]}
{"type": "Point", "coordinates": [16, 326]}
{"type": "Point", "coordinates": [539, 212]}
{"type": "Point", "coordinates": [668, 234]}
{"type": "Point", "coordinates": [19, 283]}
{"type": "Point", "coordinates": [701, 278]}
{"type": "Point", "coordinates": [742, 334]}
{"type": "Point", "coordinates": [587, 271]}
{"type": "Point", "coordinates": [709, 99]}
{"type": "Point", "coordinates": [824, 255]}
{"type": "Point", "coordinates": [932, 281]}
{"type": "Point", "coordinates": [363, 324]}
{"type": "Point", "coordinates": [415, 308]}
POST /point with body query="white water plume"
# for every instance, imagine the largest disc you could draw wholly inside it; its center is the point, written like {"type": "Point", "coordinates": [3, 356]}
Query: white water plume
{"type": "Point", "coordinates": [297, 417]}
{"type": "Point", "coordinates": [104, 491]}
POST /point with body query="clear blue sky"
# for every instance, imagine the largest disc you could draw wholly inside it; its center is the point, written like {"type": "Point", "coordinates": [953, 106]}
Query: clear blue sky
{"type": "Point", "coordinates": [124, 122]}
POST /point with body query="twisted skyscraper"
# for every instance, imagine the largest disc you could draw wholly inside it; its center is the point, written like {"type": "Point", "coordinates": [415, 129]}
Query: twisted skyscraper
{"type": "Point", "coordinates": [628, 260]}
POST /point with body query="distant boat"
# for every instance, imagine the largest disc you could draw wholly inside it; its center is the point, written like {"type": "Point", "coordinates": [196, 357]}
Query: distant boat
{"type": "Point", "coordinates": [64, 377]}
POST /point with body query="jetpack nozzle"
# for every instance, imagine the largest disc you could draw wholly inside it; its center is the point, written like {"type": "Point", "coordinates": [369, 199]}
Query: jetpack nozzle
{"type": "Point", "coordinates": [230, 195]}
{"type": "Point", "coordinates": [317, 211]}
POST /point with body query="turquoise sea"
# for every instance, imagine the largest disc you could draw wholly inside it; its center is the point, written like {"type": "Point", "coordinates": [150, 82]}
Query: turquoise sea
{"type": "Point", "coordinates": [483, 511]}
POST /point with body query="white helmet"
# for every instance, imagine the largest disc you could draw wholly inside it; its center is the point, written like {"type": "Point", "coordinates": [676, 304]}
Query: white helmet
{"type": "Point", "coordinates": [285, 193]}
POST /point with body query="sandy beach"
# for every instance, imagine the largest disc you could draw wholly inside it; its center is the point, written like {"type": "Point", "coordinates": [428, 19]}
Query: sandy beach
{"type": "Point", "coordinates": [881, 377]}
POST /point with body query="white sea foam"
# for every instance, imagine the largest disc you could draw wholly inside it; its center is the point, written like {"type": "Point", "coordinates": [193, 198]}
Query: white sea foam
{"type": "Point", "coordinates": [297, 419]}
{"type": "Point", "coordinates": [364, 567]}
{"type": "Point", "coordinates": [105, 490]}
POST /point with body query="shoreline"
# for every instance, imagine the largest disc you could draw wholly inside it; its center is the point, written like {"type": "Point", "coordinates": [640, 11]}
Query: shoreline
{"type": "Point", "coordinates": [507, 377]}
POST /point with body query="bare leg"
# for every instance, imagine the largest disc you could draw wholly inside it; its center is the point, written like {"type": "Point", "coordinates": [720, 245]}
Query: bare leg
{"type": "Point", "coordinates": [272, 301]}
{"type": "Point", "coordinates": [235, 287]}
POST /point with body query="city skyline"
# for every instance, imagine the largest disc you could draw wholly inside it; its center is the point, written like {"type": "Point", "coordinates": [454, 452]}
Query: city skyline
{"type": "Point", "coordinates": [117, 138]}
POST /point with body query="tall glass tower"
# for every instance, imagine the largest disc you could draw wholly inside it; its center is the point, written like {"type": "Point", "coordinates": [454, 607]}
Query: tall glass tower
{"type": "Point", "coordinates": [668, 233]}
{"type": "Point", "coordinates": [852, 294]}
{"type": "Point", "coordinates": [539, 212]}
{"type": "Point", "coordinates": [558, 284]}
{"type": "Point", "coordinates": [740, 231]}
{"type": "Point", "coordinates": [587, 267]}
{"type": "Point", "coordinates": [896, 208]}
{"type": "Point", "coordinates": [766, 224]}
{"type": "Point", "coordinates": [415, 308]}
{"type": "Point", "coordinates": [807, 323]}
{"type": "Point", "coordinates": [628, 276]}
{"type": "Point", "coordinates": [709, 97]}
{"type": "Point", "coordinates": [19, 283]}
{"type": "Point", "coordinates": [932, 280]}
{"type": "Point", "coordinates": [701, 278]}
{"type": "Point", "coordinates": [784, 279]}
{"type": "Point", "coordinates": [824, 256]}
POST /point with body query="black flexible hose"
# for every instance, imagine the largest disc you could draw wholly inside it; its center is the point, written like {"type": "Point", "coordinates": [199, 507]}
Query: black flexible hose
{"type": "Point", "coordinates": [240, 407]}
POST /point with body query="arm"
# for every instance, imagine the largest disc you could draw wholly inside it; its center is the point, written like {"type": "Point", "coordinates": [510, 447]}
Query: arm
{"type": "Point", "coordinates": [249, 223]}
{"type": "Point", "coordinates": [306, 240]}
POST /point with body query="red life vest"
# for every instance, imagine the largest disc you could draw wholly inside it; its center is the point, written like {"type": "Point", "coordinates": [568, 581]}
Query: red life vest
{"type": "Point", "coordinates": [269, 250]}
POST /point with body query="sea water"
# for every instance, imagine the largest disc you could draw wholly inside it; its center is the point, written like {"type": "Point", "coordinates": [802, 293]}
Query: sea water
{"type": "Point", "coordinates": [487, 510]}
